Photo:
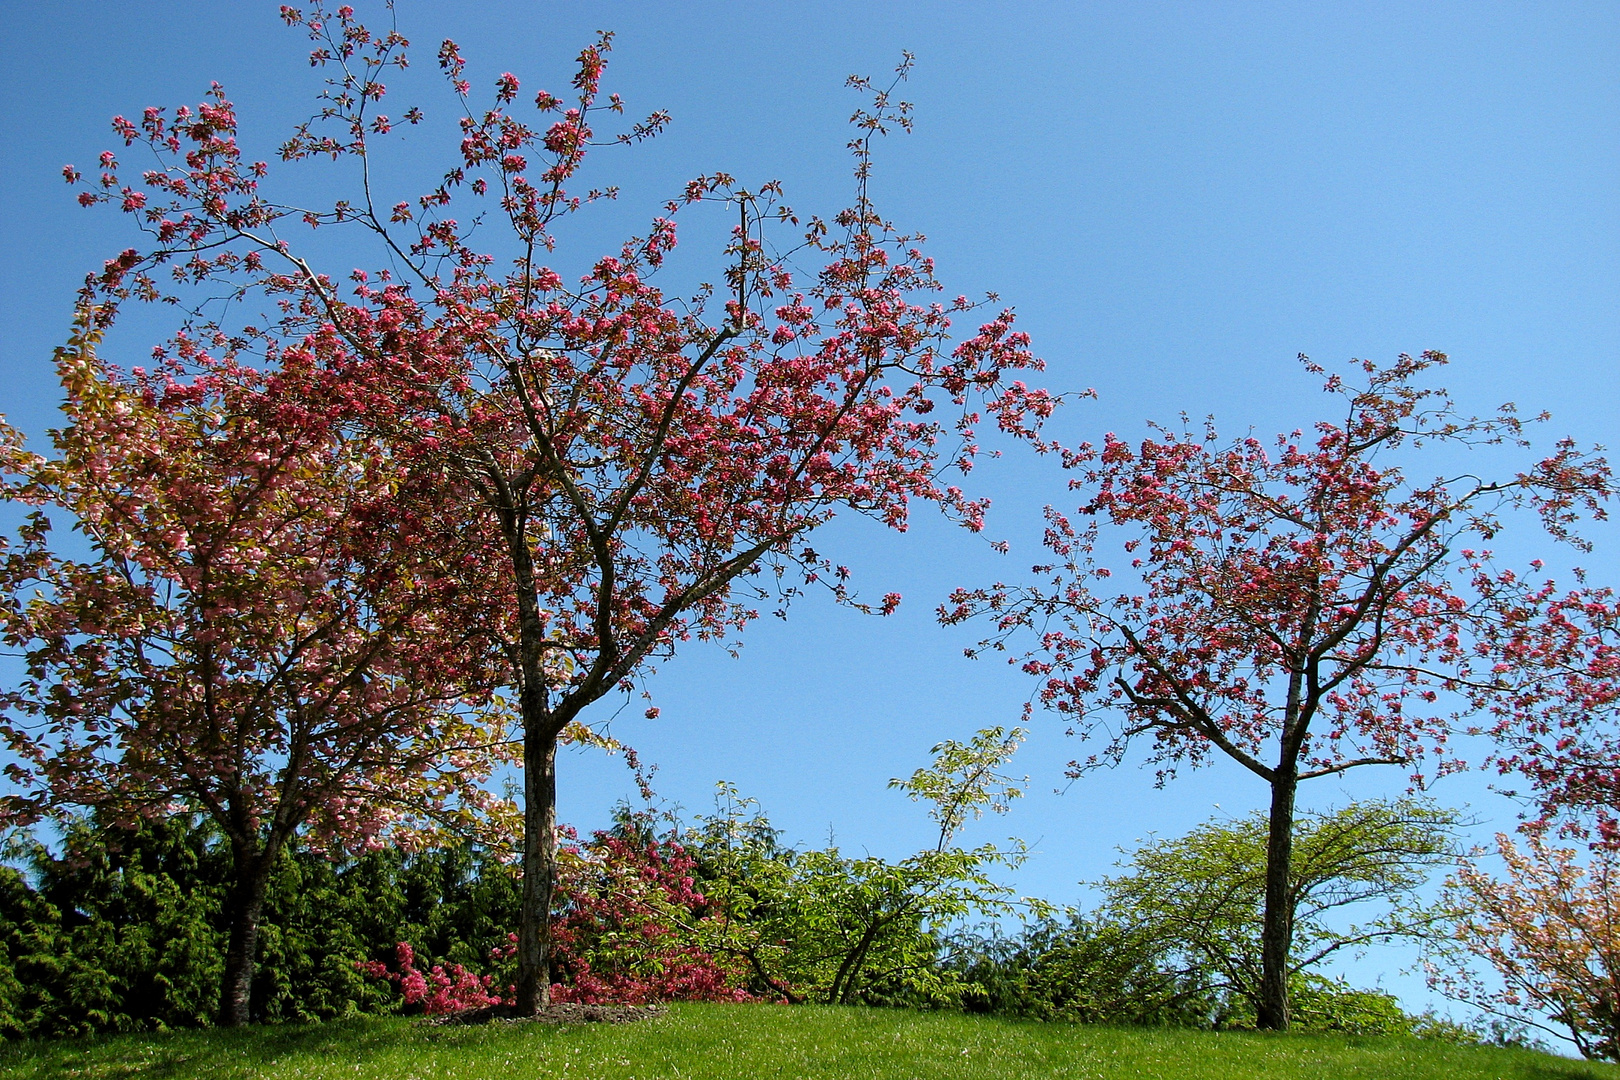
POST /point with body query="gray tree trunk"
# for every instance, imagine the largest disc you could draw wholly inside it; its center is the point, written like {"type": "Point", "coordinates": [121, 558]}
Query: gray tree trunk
{"type": "Point", "coordinates": [539, 868]}
{"type": "Point", "coordinates": [1277, 929]}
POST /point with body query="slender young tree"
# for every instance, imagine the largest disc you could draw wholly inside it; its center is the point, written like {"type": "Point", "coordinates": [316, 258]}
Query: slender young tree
{"type": "Point", "coordinates": [1302, 608]}
{"type": "Point", "coordinates": [819, 925]}
{"type": "Point", "coordinates": [633, 470]}
{"type": "Point", "coordinates": [243, 627]}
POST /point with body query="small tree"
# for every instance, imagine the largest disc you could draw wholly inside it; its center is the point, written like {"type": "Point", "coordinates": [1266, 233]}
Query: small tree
{"type": "Point", "coordinates": [820, 925]}
{"type": "Point", "coordinates": [250, 631]}
{"type": "Point", "coordinates": [1302, 608]}
{"type": "Point", "coordinates": [634, 470]}
{"type": "Point", "coordinates": [1203, 895]}
{"type": "Point", "coordinates": [1550, 930]}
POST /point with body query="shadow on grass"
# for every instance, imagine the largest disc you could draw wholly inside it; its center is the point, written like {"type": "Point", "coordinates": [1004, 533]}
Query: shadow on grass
{"type": "Point", "coordinates": [225, 1054]}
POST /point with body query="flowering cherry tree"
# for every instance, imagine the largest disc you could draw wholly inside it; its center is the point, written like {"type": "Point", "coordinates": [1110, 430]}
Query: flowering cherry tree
{"type": "Point", "coordinates": [1304, 609]}
{"type": "Point", "coordinates": [633, 469]}
{"type": "Point", "coordinates": [1550, 931]}
{"type": "Point", "coordinates": [245, 626]}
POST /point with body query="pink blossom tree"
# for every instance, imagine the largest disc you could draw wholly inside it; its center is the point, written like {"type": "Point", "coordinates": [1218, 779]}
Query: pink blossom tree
{"type": "Point", "coordinates": [1305, 609]}
{"type": "Point", "coordinates": [1550, 931]}
{"type": "Point", "coordinates": [245, 626]}
{"type": "Point", "coordinates": [633, 470]}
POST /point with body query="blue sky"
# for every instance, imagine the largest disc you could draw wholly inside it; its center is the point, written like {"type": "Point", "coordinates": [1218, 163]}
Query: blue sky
{"type": "Point", "coordinates": [1177, 198]}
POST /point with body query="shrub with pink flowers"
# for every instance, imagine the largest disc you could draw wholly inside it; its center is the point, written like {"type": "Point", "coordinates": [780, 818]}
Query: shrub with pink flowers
{"type": "Point", "coordinates": [442, 988]}
{"type": "Point", "coordinates": [632, 925]}
{"type": "Point", "coordinates": [629, 929]}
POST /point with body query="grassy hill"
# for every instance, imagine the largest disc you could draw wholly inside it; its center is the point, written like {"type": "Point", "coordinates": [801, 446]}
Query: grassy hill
{"type": "Point", "coordinates": [722, 1042]}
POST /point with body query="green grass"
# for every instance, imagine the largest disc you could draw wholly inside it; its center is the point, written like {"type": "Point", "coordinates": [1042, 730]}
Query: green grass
{"type": "Point", "coordinates": [751, 1042]}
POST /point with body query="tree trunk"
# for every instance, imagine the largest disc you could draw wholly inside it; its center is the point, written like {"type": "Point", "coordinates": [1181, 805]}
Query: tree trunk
{"type": "Point", "coordinates": [539, 867]}
{"type": "Point", "coordinates": [1277, 931]}
{"type": "Point", "coordinates": [246, 905]}
{"type": "Point", "coordinates": [843, 986]}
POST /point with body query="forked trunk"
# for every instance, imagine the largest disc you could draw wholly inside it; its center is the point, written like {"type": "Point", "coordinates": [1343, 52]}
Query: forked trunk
{"type": "Point", "coordinates": [1277, 929]}
{"type": "Point", "coordinates": [539, 868]}
{"type": "Point", "coordinates": [842, 991]}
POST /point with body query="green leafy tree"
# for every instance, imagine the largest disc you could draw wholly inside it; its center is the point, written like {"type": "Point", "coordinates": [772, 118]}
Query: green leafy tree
{"type": "Point", "coordinates": [818, 925]}
{"type": "Point", "coordinates": [1203, 895]}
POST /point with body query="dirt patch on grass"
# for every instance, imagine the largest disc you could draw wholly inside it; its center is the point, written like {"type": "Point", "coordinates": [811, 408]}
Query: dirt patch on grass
{"type": "Point", "coordinates": [560, 1013]}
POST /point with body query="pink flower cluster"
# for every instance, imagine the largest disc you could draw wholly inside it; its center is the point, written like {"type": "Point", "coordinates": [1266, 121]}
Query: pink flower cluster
{"type": "Point", "coordinates": [441, 989]}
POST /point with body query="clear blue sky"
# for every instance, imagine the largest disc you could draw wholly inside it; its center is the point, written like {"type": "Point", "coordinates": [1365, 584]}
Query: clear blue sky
{"type": "Point", "coordinates": [1177, 198]}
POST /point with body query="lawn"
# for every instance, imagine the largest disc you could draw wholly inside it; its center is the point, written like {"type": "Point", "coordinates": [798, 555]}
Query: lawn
{"type": "Point", "coordinates": [721, 1042]}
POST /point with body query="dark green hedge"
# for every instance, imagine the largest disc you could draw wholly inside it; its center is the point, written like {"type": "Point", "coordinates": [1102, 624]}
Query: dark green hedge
{"type": "Point", "coordinates": [124, 931]}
